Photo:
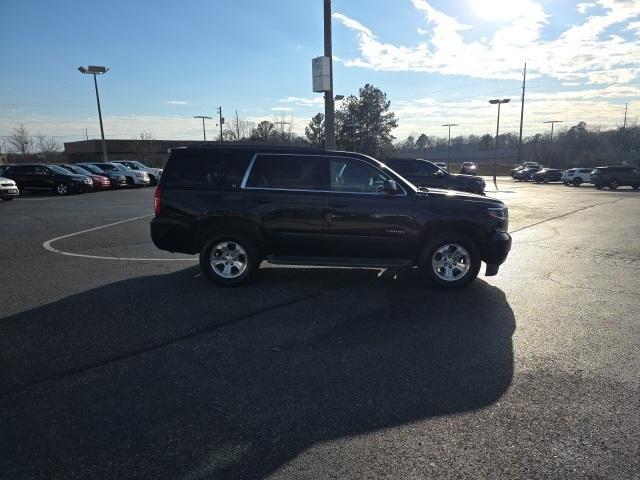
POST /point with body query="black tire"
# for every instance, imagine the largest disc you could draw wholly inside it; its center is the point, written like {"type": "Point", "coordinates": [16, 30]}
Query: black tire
{"type": "Point", "coordinates": [576, 182]}
{"type": "Point", "coordinates": [545, 180]}
{"type": "Point", "coordinates": [430, 254]}
{"type": "Point", "coordinates": [62, 188]}
{"type": "Point", "coordinates": [599, 187]}
{"type": "Point", "coordinates": [7, 199]}
{"type": "Point", "coordinates": [613, 184]}
{"type": "Point", "coordinates": [130, 182]}
{"type": "Point", "coordinates": [251, 257]}
{"type": "Point", "coordinates": [636, 187]}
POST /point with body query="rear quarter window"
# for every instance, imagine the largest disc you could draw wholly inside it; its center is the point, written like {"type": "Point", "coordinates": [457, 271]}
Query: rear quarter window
{"type": "Point", "coordinates": [218, 170]}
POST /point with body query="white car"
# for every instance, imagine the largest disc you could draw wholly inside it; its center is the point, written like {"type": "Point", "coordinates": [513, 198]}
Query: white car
{"type": "Point", "coordinates": [577, 176]}
{"type": "Point", "coordinates": [8, 189]}
{"type": "Point", "coordinates": [134, 178]}
{"type": "Point", "coordinates": [154, 173]}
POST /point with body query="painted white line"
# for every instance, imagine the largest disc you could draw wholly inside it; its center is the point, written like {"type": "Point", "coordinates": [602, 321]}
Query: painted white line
{"type": "Point", "coordinates": [47, 246]}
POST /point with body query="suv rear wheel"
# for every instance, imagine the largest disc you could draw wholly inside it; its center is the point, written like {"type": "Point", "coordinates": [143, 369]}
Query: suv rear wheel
{"type": "Point", "coordinates": [577, 181]}
{"type": "Point", "coordinates": [451, 260]}
{"type": "Point", "coordinates": [613, 184]}
{"type": "Point", "coordinates": [229, 259]}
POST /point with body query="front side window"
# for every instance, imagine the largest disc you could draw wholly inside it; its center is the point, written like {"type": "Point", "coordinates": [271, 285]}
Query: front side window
{"type": "Point", "coordinates": [287, 172]}
{"type": "Point", "coordinates": [355, 176]}
{"type": "Point", "coordinates": [427, 168]}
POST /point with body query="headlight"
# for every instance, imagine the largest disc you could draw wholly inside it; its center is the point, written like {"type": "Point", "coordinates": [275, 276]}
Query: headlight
{"type": "Point", "coordinates": [138, 174]}
{"type": "Point", "coordinates": [501, 213]}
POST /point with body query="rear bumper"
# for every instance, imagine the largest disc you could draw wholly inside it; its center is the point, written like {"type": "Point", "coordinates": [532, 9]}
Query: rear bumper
{"type": "Point", "coordinates": [496, 252]}
{"type": "Point", "coordinates": [172, 235]}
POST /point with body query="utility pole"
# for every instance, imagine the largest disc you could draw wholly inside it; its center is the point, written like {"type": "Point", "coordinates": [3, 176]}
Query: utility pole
{"type": "Point", "coordinates": [86, 134]}
{"type": "Point", "coordinates": [449, 147]}
{"type": "Point", "coordinates": [626, 105]}
{"type": "Point", "coordinates": [524, 83]}
{"type": "Point", "coordinates": [552, 122]}
{"type": "Point", "coordinates": [495, 158]}
{"type": "Point", "coordinates": [329, 109]}
{"type": "Point", "coordinates": [237, 126]}
{"type": "Point", "coordinates": [204, 131]}
{"type": "Point", "coordinates": [282, 123]}
{"type": "Point", "coordinates": [354, 126]}
{"type": "Point", "coordinates": [221, 122]}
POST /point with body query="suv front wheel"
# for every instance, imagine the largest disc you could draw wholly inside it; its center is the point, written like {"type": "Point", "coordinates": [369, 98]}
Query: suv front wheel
{"type": "Point", "coordinates": [229, 259]}
{"type": "Point", "coordinates": [451, 260]}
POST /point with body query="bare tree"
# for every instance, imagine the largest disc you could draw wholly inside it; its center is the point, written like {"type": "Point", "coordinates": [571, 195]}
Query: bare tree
{"type": "Point", "coordinates": [144, 147]}
{"type": "Point", "coordinates": [20, 140]}
{"type": "Point", "coordinates": [46, 147]}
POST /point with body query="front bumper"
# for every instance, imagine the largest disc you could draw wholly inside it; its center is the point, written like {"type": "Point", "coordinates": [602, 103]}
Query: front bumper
{"type": "Point", "coordinates": [496, 251]}
{"type": "Point", "coordinates": [9, 192]}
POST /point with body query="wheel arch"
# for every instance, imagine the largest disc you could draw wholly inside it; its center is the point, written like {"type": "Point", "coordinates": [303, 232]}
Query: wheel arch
{"type": "Point", "coordinates": [219, 224]}
{"type": "Point", "coordinates": [471, 231]}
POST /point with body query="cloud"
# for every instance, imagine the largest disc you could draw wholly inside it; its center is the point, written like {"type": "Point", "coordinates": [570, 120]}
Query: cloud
{"type": "Point", "coordinates": [281, 109]}
{"type": "Point", "coordinates": [582, 52]}
{"type": "Point", "coordinates": [176, 102]}
{"type": "Point", "coordinates": [584, 6]}
{"type": "Point", "coordinates": [303, 102]}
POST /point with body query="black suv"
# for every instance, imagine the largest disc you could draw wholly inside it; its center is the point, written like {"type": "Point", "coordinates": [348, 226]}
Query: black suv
{"type": "Point", "coordinates": [239, 205]}
{"type": "Point", "coordinates": [423, 173]}
{"type": "Point", "coordinates": [37, 177]}
{"type": "Point", "coordinates": [614, 177]}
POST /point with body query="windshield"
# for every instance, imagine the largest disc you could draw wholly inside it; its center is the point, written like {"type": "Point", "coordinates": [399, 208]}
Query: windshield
{"type": "Point", "coordinates": [80, 170]}
{"type": "Point", "coordinates": [93, 168]}
{"type": "Point", "coordinates": [59, 170]}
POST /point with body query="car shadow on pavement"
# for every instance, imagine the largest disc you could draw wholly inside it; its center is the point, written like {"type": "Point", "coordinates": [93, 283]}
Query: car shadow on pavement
{"type": "Point", "coordinates": [192, 381]}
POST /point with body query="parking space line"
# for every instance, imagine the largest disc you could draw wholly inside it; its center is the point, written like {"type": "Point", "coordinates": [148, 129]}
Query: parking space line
{"type": "Point", "coordinates": [47, 246]}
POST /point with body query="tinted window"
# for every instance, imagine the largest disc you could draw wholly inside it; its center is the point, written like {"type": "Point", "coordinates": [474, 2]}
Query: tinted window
{"type": "Point", "coordinates": [217, 169]}
{"type": "Point", "coordinates": [106, 166]}
{"type": "Point", "coordinates": [58, 170]}
{"type": "Point", "coordinates": [584, 170]}
{"type": "Point", "coordinates": [20, 169]}
{"type": "Point", "coordinates": [351, 175]}
{"type": "Point", "coordinates": [93, 168]}
{"type": "Point", "coordinates": [426, 168]}
{"type": "Point", "coordinates": [286, 171]}
{"type": "Point", "coordinates": [403, 167]}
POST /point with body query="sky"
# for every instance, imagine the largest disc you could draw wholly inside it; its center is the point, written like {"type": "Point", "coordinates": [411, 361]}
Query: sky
{"type": "Point", "coordinates": [438, 61]}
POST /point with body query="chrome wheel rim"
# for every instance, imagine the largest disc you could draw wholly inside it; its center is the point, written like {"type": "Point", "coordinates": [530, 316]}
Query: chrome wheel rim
{"type": "Point", "coordinates": [451, 262]}
{"type": "Point", "coordinates": [228, 259]}
{"type": "Point", "coordinates": [62, 189]}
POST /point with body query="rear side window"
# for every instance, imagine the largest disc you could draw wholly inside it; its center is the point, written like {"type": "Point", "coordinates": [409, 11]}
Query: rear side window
{"type": "Point", "coordinates": [289, 172]}
{"type": "Point", "coordinates": [215, 169]}
{"type": "Point", "coordinates": [19, 169]}
{"type": "Point", "coordinates": [403, 167]}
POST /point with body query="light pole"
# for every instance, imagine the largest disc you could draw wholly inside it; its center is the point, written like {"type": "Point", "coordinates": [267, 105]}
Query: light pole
{"type": "Point", "coordinates": [552, 122]}
{"type": "Point", "coordinates": [495, 158]}
{"type": "Point", "coordinates": [449, 147]}
{"type": "Point", "coordinates": [203, 117]}
{"type": "Point", "coordinates": [94, 70]}
{"type": "Point", "coordinates": [329, 107]}
{"type": "Point", "coordinates": [221, 123]}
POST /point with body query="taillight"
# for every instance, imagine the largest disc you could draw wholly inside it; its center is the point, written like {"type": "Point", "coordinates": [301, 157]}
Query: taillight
{"type": "Point", "coordinates": [157, 201]}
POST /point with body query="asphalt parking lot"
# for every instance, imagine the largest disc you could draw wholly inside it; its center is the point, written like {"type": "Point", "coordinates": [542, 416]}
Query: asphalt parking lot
{"type": "Point", "coordinates": [120, 361]}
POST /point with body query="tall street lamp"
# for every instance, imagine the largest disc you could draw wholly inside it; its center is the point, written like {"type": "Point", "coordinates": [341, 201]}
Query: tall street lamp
{"type": "Point", "coordinates": [552, 122]}
{"type": "Point", "coordinates": [94, 70]}
{"type": "Point", "coordinates": [203, 117]}
{"type": "Point", "coordinates": [495, 158]}
{"type": "Point", "coordinates": [449, 147]}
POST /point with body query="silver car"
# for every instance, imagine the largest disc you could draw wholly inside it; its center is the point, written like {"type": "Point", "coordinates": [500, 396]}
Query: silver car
{"type": "Point", "coordinates": [8, 189]}
{"type": "Point", "coordinates": [154, 173]}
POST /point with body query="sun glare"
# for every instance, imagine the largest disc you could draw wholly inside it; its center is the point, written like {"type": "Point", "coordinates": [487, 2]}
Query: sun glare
{"type": "Point", "coordinates": [498, 10]}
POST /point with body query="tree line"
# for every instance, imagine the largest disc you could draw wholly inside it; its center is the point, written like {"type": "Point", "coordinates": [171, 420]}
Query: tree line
{"type": "Point", "coordinates": [364, 123]}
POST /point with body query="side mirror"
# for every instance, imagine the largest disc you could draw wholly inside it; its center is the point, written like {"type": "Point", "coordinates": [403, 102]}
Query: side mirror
{"type": "Point", "coordinates": [389, 187]}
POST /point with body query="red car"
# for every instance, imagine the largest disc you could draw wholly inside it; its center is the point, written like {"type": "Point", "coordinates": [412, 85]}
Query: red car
{"type": "Point", "coordinates": [100, 182]}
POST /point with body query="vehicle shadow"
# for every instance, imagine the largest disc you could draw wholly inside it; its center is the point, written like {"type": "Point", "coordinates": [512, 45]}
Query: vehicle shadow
{"type": "Point", "coordinates": [202, 382]}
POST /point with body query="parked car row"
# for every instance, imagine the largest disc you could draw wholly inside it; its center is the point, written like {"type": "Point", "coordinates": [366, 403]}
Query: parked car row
{"type": "Point", "coordinates": [610, 176]}
{"type": "Point", "coordinates": [85, 177]}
